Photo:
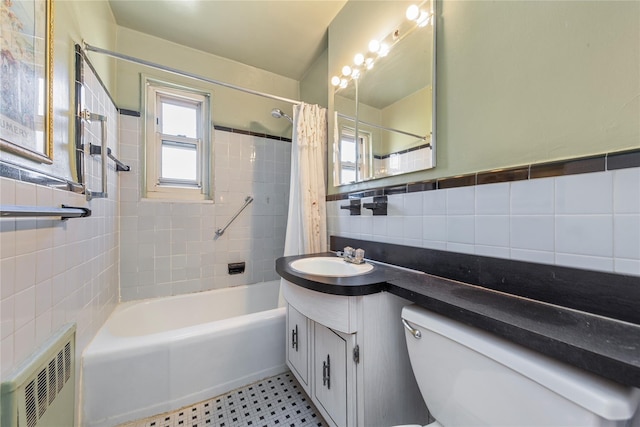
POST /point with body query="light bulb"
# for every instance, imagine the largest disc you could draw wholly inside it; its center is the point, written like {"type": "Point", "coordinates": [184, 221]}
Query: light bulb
{"type": "Point", "coordinates": [413, 12]}
{"type": "Point", "coordinates": [344, 83]}
{"type": "Point", "coordinates": [355, 73]}
{"type": "Point", "coordinates": [358, 59]}
{"type": "Point", "coordinates": [384, 50]}
{"type": "Point", "coordinates": [346, 70]}
{"type": "Point", "coordinates": [369, 63]}
{"type": "Point", "coordinates": [335, 80]}
{"type": "Point", "coordinates": [374, 45]}
{"type": "Point", "coordinates": [423, 20]}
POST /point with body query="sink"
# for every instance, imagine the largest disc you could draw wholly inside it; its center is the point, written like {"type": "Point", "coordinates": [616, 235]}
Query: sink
{"type": "Point", "coordinates": [327, 266]}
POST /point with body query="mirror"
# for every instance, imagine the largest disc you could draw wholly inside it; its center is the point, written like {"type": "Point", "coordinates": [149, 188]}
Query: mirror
{"type": "Point", "coordinates": [386, 114]}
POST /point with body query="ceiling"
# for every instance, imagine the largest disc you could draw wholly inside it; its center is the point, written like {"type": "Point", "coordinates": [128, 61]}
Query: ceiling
{"type": "Point", "coordinates": [284, 37]}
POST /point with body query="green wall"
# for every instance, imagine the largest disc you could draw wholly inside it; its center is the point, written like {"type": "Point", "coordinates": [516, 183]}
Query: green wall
{"type": "Point", "coordinates": [521, 82]}
{"type": "Point", "coordinates": [230, 107]}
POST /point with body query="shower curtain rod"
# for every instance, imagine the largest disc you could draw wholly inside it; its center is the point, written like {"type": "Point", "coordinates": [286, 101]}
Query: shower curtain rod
{"type": "Point", "coordinates": [344, 116]}
{"type": "Point", "coordinates": [135, 60]}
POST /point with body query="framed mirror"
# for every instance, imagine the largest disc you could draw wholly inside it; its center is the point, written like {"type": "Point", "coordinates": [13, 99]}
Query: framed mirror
{"type": "Point", "coordinates": [385, 105]}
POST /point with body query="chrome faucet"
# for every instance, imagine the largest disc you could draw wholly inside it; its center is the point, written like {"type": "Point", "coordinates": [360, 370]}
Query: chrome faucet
{"type": "Point", "coordinates": [354, 256]}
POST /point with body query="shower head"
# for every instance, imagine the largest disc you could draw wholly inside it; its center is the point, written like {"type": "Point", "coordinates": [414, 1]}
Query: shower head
{"type": "Point", "coordinates": [278, 113]}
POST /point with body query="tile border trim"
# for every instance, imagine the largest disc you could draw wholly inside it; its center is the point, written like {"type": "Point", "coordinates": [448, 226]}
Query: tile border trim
{"type": "Point", "coordinates": [598, 163]}
{"type": "Point", "coordinates": [25, 174]}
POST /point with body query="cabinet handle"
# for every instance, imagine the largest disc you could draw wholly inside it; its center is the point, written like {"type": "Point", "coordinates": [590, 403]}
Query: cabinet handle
{"type": "Point", "coordinates": [294, 338]}
{"type": "Point", "coordinates": [326, 373]}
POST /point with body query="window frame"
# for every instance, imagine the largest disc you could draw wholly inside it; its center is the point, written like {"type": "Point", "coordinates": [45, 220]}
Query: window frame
{"type": "Point", "coordinates": [156, 186]}
{"type": "Point", "coordinates": [362, 165]}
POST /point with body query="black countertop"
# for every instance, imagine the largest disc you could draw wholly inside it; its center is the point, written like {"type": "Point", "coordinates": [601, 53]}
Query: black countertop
{"type": "Point", "coordinates": [598, 344]}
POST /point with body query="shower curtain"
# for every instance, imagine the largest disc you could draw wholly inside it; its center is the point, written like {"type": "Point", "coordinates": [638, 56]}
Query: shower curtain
{"type": "Point", "coordinates": [307, 220]}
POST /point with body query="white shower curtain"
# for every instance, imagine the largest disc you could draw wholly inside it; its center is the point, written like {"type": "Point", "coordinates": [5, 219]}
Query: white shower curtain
{"type": "Point", "coordinates": [307, 219]}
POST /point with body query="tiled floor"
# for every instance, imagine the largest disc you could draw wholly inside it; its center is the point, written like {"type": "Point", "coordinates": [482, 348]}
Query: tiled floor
{"type": "Point", "coordinates": [272, 402]}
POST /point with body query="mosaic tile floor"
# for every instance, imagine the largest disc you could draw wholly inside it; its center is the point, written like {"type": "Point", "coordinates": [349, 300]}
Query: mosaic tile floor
{"type": "Point", "coordinates": [273, 402]}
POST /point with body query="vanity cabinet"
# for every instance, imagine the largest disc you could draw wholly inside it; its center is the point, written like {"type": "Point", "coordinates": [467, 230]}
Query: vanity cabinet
{"type": "Point", "coordinates": [357, 370]}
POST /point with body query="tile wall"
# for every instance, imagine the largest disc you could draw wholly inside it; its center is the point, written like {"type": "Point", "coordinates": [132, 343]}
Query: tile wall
{"type": "Point", "coordinates": [55, 272]}
{"type": "Point", "coordinates": [168, 248]}
{"type": "Point", "coordinates": [589, 221]}
{"type": "Point", "coordinates": [396, 163]}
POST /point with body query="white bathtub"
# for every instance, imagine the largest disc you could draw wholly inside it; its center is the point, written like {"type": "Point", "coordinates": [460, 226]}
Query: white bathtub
{"type": "Point", "coordinates": [162, 354]}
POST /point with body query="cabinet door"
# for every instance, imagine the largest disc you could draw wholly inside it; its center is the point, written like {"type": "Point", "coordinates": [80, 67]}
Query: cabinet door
{"type": "Point", "coordinates": [298, 345]}
{"type": "Point", "coordinates": [330, 373]}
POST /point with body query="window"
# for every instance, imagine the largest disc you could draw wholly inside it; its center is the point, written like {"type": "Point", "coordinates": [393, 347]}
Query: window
{"type": "Point", "coordinates": [177, 142]}
{"type": "Point", "coordinates": [354, 157]}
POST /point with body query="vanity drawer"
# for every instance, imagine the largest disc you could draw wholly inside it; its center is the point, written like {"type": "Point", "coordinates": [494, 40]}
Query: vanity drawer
{"type": "Point", "coordinates": [334, 311]}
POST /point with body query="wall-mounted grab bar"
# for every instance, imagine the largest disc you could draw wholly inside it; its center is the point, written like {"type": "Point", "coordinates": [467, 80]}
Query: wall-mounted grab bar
{"type": "Point", "coordinates": [64, 212]}
{"type": "Point", "coordinates": [89, 116]}
{"type": "Point", "coordinates": [120, 167]}
{"type": "Point", "coordinates": [220, 231]}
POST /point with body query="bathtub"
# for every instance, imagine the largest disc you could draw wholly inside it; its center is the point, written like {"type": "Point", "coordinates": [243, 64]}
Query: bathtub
{"type": "Point", "coordinates": [159, 355]}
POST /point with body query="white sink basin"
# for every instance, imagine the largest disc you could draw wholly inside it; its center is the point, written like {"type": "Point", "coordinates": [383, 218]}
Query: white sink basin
{"type": "Point", "coordinates": [331, 267]}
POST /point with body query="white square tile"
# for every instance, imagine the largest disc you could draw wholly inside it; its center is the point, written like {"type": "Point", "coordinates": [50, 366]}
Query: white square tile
{"type": "Point", "coordinates": [541, 257]}
{"type": "Point", "coordinates": [380, 225]}
{"type": "Point", "coordinates": [532, 197]}
{"type": "Point", "coordinates": [43, 297]}
{"type": "Point", "coordinates": [536, 232]}
{"type": "Point", "coordinates": [7, 317]}
{"type": "Point", "coordinates": [461, 229]}
{"type": "Point", "coordinates": [25, 272]}
{"type": "Point", "coordinates": [24, 307]}
{"type": "Point", "coordinates": [492, 230]}
{"type": "Point", "coordinates": [395, 227]}
{"type": "Point", "coordinates": [584, 235]}
{"type": "Point", "coordinates": [461, 248]}
{"type": "Point", "coordinates": [7, 277]}
{"type": "Point", "coordinates": [413, 227]}
{"type": "Point", "coordinates": [492, 199]}
{"type": "Point", "coordinates": [7, 191]}
{"type": "Point", "coordinates": [626, 190]}
{"type": "Point", "coordinates": [627, 266]}
{"type": "Point", "coordinates": [395, 205]}
{"type": "Point", "coordinates": [590, 193]}
{"type": "Point", "coordinates": [492, 251]}
{"type": "Point", "coordinates": [461, 201]}
{"type": "Point", "coordinates": [434, 202]}
{"type": "Point", "coordinates": [626, 236]}
{"type": "Point", "coordinates": [430, 244]}
{"type": "Point", "coordinates": [6, 355]}
{"type": "Point", "coordinates": [434, 228]}
{"type": "Point", "coordinates": [25, 194]}
{"type": "Point", "coordinates": [413, 204]}
{"type": "Point", "coordinates": [585, 262]}
{"type": "Point", "coordinates": [44, 265]}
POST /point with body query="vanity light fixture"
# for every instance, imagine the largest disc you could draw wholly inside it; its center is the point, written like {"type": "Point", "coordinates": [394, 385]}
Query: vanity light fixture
{"type": "Point", "coordinates": [381, 48]}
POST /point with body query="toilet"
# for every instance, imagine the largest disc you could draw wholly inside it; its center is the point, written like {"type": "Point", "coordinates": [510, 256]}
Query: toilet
{"type": "Point", "coordinates": [469, 377]}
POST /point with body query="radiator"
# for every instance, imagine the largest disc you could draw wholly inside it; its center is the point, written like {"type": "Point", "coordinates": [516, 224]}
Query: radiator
{"type": "Point", "coordinates": [41, 391]}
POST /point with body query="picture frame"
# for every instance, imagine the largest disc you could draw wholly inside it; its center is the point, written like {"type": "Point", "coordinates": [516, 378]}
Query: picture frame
{"type": "Point", "coordinates": [26, 87]}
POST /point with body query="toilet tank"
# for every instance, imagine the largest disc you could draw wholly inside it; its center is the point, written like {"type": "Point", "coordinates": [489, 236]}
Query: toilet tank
{"type": "Point", "coordinates": [469, 377]}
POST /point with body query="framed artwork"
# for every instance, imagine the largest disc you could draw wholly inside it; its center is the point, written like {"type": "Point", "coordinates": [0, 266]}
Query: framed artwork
{"type": "Point", "coordinates": [26, 82]}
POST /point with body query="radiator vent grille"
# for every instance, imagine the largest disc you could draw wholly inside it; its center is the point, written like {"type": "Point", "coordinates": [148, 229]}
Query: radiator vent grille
{"type": "Point", "coordinates": [41, 392]}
